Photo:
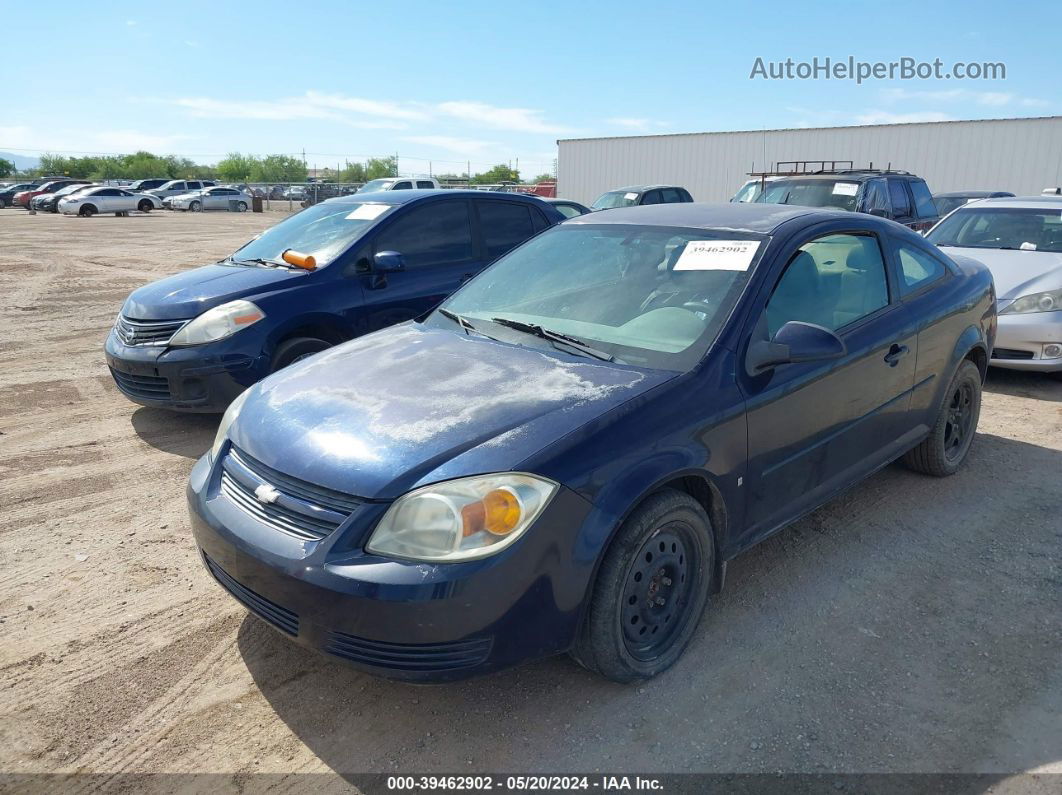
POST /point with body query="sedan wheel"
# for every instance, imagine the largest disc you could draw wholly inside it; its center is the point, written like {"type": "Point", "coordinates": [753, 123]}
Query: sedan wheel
{"type": "Point", "coordinates": [87, 211]}
{"type": "Point", "coordinates": [145, 206]}
{"type": "Point", "coordinates": [242, 207]}
{"type": "Point", "coordinates": [195, 207]}
{"type": "Point", "coordinates": [945, 449]}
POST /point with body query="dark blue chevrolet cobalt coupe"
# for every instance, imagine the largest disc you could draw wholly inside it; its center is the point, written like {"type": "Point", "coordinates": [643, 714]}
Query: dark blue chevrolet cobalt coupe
{"type": "Point", "coordinates": [194, 341]}
{"type": "Point", "coordinates": [565, 454]}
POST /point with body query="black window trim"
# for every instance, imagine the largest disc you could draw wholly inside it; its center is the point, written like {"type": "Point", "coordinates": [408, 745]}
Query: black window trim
{"type": "Point", "coordinates": [897, 268]}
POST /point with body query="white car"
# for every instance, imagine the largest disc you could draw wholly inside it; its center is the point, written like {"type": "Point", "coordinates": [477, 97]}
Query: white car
{"type": "Point", "coordinates": [400, 183]}
{"type": "Point", "coordinates": [177, 187]}
{"type": "Point", "coordinates": [108, 200]}
{"type": "Point", "coordinates": [1020, 240]}
{"type": "Point", "coordinates": [216, 198]}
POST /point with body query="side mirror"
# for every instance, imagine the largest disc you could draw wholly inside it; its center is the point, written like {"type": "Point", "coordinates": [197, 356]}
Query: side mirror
{"type": "Point", "coordinates": [388, 262]}
{"type": "Point", "coordinates": [879, 212]}
{"type": "Point", "coordinates": [795, 342]}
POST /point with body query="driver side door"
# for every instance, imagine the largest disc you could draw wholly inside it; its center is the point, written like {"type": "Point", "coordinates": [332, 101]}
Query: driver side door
{"type": "Point", "coordinates": [815, 427]}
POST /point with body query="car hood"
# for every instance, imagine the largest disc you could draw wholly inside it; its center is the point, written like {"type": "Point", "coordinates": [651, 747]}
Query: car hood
{"type": "Point", "coordinates": [1017, 273]}
{"type": "Point", "coordinates": [410, 405]}
{"type": "Point", "coordinates": [188, 294]}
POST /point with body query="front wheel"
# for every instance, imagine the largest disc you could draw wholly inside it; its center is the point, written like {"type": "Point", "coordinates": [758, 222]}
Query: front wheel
{"type": "Point", "coordinates": [651, 590]}
{"type": "Point", "coordinates": [4, 203]}
{"type": "Point", "coordinates": [296, 349]}
{"type": "Point", "coordinates": [944, 450]}
{"type": "Point", "coordinates": [145, 206]}
{"type": "Point", "coordinates": [195, 207]}
{"type": "Point", "coordinates": [87, 211]}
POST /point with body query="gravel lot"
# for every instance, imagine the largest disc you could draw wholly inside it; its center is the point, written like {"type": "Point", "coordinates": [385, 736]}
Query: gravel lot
{"type": "Point", "coordinates": [911, 625]}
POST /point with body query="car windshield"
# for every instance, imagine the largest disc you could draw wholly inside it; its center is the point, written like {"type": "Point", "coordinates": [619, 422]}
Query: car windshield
{"type": "Point", "coordinates": [646, 295]}
{"type": "Point", "coordinates": [325, 231]}
{"type": "Point", "coordinates": [945, 204]}
{"type": "Point", "coordinates": [70, 189]}
{"type": "Point", "coordinates": [982, 226]}
{"type": "Point", "coordinates": [834, 193]}
{"type": "Point", "coordinates": [615, 198]}
{"type": "Point", "coordinates": [749, 192]}
{"type": "Point", "coordinates": [376, 184]}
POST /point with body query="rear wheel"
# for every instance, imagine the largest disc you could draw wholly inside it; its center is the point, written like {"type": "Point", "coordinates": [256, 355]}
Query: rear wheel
{"type": "Point", "coordinates": [4, 203]}
{"type": "Point", "coordinates": [87, 210]}
{"type": "Point", "coordinates": [145, 206]}
{"type": "Point", "coordinates": [241, 207]}
{"type": "Point", "coordinates": [944, 450]}
{"type": "Point", "coordinates": [651, 590]}
{"type": "Point", "coordinates": [195, 207]}
{"type": "Point", "coordinates": [296, 349]}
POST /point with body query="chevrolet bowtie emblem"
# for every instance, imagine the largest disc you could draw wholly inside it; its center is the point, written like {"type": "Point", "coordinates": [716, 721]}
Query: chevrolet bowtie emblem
{"type": "Point", "coordinates": [267, 494]}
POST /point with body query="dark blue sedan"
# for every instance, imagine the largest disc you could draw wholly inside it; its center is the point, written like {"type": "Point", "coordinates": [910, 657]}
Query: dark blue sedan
{"type": "Point", "coordinates": [565, 454]}
{"type": "Point", "coordinates": [335, 271]}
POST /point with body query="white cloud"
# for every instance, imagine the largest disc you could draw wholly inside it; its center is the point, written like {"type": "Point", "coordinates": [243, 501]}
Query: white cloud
{"type": "Point", "coordinates": [130, 23]}
{"type": "Point", "coordinates": [82, 141]}
{"type": "Point", "coordinates": [996, 99]}
{"type": "Point", "coordinates": [518, 119]}
{"type": "Point", "coordinates": [468, 147]}
{"type": "Point", "coordinates": [309, 106]}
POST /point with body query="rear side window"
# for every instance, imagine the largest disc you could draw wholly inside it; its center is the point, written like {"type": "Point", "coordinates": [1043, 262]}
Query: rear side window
{"type": "Point", "coordinates": [402, 186]}
{"type": "Point", "coordinates": [876, 196]}
{"type": "Point", "coordinates": [505, 225]}
{"type": "Point", "coordinates": [831, 281]}
{"type": "Point", "coordinates": [917, 268]}
{"type": "Point", "coordinates": [425, 184]}
{"type": "Point", "coordinates": [652, 197]}
{"type": "Point", "coordinates": [672, 196]}
{"type": "Point", "coordinates": [436, 234]}
{"type": "Point", "coordinates": [901, 205]}
{"type": "Point", "coordinates": [923, 199]}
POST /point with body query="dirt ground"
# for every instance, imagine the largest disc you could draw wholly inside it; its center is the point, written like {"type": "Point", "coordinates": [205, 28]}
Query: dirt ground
{"type": "Point", "coordinates": [911, 625]}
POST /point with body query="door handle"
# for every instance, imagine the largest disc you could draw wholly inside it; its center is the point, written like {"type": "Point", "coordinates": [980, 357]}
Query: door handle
{"type": "Point", "coordinates": [896, 352]}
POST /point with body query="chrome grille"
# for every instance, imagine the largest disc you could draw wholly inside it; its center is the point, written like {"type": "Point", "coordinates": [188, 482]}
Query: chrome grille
{"type": "Point", "coordinates": [146, 332]}
{"type": "Point", "coordinates": [299, 509]}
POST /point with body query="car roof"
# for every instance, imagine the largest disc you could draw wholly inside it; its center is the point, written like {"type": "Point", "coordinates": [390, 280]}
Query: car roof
{"type": "Point", "coordinates": [407, 196]}
{"type": "Point", "coordinates": [641, 188]}
{"type": "Point", "coordinates": [1023, 202]}
{"type": "Point", "coordinates": [978, 194]}
{"type": "Point", "coordinates": [736, 216]}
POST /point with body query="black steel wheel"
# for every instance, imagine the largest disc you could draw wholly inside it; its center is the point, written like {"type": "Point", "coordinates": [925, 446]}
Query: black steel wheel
{"type": "Point", "coordinates": [657, 590]}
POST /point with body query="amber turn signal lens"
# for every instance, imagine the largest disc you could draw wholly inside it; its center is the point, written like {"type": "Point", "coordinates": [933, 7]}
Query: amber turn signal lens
{"type": "Point", "coordinates": [298, 259]}
{"type": "Point", "coordinates": [501, 512]}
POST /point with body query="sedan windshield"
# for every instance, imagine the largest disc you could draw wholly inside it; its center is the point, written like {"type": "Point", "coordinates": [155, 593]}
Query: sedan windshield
{"type": "Point", "coordinates": [836, 194]}
{"type": "Point", "coordinates": [615, 198]}
{"type": "Point", "coordinates": [325, 231]}
{"type": "Point", "coordinates": [982, 226]}
{"type": "Point", "coordinates": [643, 295]}
{"type": "Point", "coordinates": [945, 204]}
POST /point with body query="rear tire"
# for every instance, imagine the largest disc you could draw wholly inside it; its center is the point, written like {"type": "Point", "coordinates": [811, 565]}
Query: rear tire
{"type": "Point", "coordinates": [145, 206]}
{"type": "Point", "coordinates": [296, 348]}
{"type": "Point", "coordinates": [4, 204]}
{"type": "Point", "coordinates": [194, 206]}
{"type": "Point", "coordinates": [651, 590]}
{"type": "Point", "coordinates": [942, 452]}
{"type": "Point", "coordinates": [87, 211]}
{"type": "Point", "coordinates": [241, 207]}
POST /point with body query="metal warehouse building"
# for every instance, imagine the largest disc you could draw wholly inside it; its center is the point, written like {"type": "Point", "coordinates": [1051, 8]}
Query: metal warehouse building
{"type": "Point", "coordinates": [1023, 156]}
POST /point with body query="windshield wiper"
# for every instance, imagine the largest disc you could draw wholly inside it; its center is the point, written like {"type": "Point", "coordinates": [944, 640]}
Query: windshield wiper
{"type": "Point", "coordinates": [261, 261]}
{"type": "Point", "coordinates": [554, 336]}
{"type": "Point", "coordinates": [463, 322]}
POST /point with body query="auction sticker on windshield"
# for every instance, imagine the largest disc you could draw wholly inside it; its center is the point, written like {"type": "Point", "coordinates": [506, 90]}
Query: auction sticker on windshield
{"type": "Point", "coordinates": [846, 188]}
{"type": "Point", "coordinates": [630, 196]}
{"type": "Point", "coordinates": [717, 255]}
{"type": "Point", "coordinates": [368, 212]}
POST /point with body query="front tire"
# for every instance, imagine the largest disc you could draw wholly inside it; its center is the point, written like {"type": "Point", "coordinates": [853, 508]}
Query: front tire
{"type": "Point", "coordinates": [651, 590]}
{"type": "Point", "coordinates": [291, 351]}
{"type": "Point", "coordinates": [942, 452]}
{"type": "Point", "coordinates": [194, 206]}
{"type": "Point", "coordinates": [87, 211]}
{"type": "Point", "coordinates": [145, 206]}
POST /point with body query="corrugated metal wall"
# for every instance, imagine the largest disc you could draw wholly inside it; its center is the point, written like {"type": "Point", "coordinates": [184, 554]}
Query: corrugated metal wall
{"type": "Point", "coordinates": [1023, 156]}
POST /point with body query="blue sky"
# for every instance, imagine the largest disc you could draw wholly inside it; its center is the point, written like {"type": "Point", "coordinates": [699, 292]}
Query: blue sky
{"type": "Point", "coordinates": [442, 84]}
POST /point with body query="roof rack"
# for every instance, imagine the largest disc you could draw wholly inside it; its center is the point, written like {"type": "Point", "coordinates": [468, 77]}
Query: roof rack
{"type": "Point", "coordinates": [799, 168]}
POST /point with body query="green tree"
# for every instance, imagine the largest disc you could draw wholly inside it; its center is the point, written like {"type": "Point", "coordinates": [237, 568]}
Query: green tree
{"type": "Point", "coordinates": [500, 173]}
{"type": "Point", "coordinates": [377, 167]}
{"type": "Point", "coordinates": [543, 178]}
{"type": "Point", "coordinates": [6, 167]}
{"type": "Point", "coordinates": [278, 168]}
{"type": "Point", "coordinates": [237, 167]}
{"type": "Point", "coordinates": [352, 172]}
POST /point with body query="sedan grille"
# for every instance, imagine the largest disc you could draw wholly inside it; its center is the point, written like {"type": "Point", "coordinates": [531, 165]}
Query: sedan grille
{"type": "Point", "coordinates": [287, 504]}
{"type": "Point", "coordinates": [1011, 353]}
{"type": "Point", "coordinates": [280, 617]}
{"type": "Point", "coordinates": [410, 656]}
{"type": "Point", "coordinates": [146, 332]}
{"type": "Point", "coordinates": [142, 386]}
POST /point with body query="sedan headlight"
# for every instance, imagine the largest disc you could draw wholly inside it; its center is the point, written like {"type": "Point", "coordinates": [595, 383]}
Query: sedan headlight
{"type": "Point", "coordinates": [229, 417]}
{"type": "Point", "coordinates": [1050, 301]}
{"type": "Point", "coordinates": [218, 323]}
{"type": "Point", "coordinates": [461, 519]}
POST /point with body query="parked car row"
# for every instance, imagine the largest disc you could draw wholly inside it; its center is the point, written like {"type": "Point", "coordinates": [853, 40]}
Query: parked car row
{"type": "Point", "coordinates": [462, 431]}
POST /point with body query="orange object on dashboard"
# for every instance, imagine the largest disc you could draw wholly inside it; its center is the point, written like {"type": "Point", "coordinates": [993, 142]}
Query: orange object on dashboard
{"type": "Point", "coordinates": [298, 259]}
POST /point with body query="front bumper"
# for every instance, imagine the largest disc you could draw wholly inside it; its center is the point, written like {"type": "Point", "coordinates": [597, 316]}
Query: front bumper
{"type": "Point", "coordinates": [397, 619]}
{"type": "Point", "coordinates": [1020, 341]}
{"type": "Point", "coordinates": [204, 378]}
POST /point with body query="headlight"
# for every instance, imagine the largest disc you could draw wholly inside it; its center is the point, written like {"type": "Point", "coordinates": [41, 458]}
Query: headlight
{"type": "Point", "coordinates": [218, 323]}
{"type": "Point", "coordinates": [461, 519]}
{"type": "Point", "coordinates": [229, 417]}
{"type": "Point", "coordinates": [1037, 302]}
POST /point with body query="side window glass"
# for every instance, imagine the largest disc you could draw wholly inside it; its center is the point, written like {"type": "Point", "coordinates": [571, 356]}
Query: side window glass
{"type": "Point", "coordinates": [671, 196]}
{"type": "Point", "coordinates": [403, 186]}
{"type": "Point", "coordinates": [831, 281]}
{"type": "Point", "coordinates": [504, 225]}
{"type": "Point", "coordinates": [876, 196]}
{"type": "Point", "coordinates": [438, 234]}
{"type": "Point", "coordinates": [923, 199]}
{"type": "Point", "coordinates": [652, 197]}
{"type": "Point", "coordinates": [918, 268]}
{"type": "Point", "coordinates": [426, 185]}
{"type": "Point", "coordinates": [901, 205]}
